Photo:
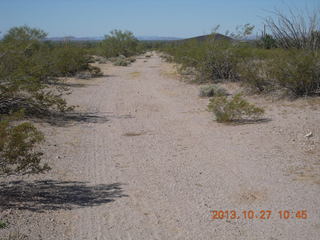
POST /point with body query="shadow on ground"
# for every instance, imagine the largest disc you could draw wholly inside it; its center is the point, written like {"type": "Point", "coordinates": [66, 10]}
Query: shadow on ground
{"type": "Point", "coordinates": [250, 121]}
{"type": "Point", "coordinates": [76, 117]}
{"type": "Point", "coordinates": [68, 84]}
{"type": "Point", "coordinates": [39, 196]}
{"type": "Point", "coordinates": [70, 118]}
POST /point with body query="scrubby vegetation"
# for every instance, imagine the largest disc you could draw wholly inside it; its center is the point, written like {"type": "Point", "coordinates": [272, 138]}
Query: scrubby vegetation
{"type": "Point", "coordinates": [122, 61]}
{"type": "Point", "coordinates": [17, 148]}
{"type": "Point", "coordinates": [30, 69]}
{"type": "Point", "coordinates": [3, 224]}
{"type": "Point", "coordinates": [212, 90]}
{"type": "Point", "coordinates": [286, 57]}
{"type": "Point", "coordinates": [120, 43]}
{"type": "Point", "coordinates": [120, 47]}
{"type": "Point", "coordinates": [234, 109]}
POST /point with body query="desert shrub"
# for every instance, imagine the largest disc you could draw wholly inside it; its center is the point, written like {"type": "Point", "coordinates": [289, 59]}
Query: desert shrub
{"type": "Point", "coordinates": [100, 59]}
{"type": "Point", "coordinates": [285, 58]}
{"type": "Point", "coordinates": [298, 71]}
{"type": "Point", "coordinates": [24, 74]}
{"type": "Point", "coordinates": [67, 60]}
{"type": "Point", "coordinates": [218, 64]}
{"type": "Point", "coordinates": [215, 58]}
{"type": "Point", "coordinates": [212, 90]}
{"type": "Point", "coordinates": [122, 61]}
{"type": "Point", "coordinates": [132, 59]}
{"type": "Point", "coordinates": [28, 70]}
{"type": "Point", "coordinates": [255, 75]}
{"type": "Point", "coordinates": [120, 43]}
{"type": "Point", "coordinates": [234, 109]}
{"type": "Point", "coordinates": [3, 224]}
{"type": "Point", "coordinates": [254, 69]}
{"type": "Point", "coordinates": [92, 72]}
{"type": "Point", "coordinates": [17, 148]}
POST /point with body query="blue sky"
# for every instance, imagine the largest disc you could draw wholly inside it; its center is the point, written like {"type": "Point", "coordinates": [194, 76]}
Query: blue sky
{"type": "Point", "coordinates": [174, 18]}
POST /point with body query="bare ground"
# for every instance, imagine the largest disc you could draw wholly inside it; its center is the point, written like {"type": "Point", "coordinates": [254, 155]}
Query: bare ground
{"type": "Point", "coordinates": [143, 159]}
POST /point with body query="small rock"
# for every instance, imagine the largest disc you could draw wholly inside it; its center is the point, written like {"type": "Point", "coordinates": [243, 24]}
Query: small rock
{"type": "Point", "coordinates": [308, 135]}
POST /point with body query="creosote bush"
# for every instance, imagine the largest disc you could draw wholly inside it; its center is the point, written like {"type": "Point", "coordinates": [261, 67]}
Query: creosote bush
{"type": "Point", "coordinates": [17, 147]}
{"type": "Point", "coordinates": [234, 109]}
{"type": "Point", "coordinates": [297, 71]}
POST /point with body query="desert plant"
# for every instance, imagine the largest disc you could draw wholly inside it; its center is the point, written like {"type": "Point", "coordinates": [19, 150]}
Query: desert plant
{"type": "Point", "coordinates": [3, 224]}
{"type": "Point", "coordinates": [17, 147]}
{"type": "Point", "coordinates": [218, 64]}
{"type": "Point", "coordinates": [122, 61]}
{"type": "Point", "coordinates": [212, 90]}
{"type": "Point", "coordinates": [24, 76]}
{"type": "Point", "coordinates": [298, 71]}
{"type": "Point", "coordinates": [119, 43]}
{"type": "Point", "coordinates": [267, 41]}
{"type": "Point", "coordinates": [28, 70]}
{"type": "Point", "coordinates": [132, 59]}
{"type": "Point", "coordinates": [92, 72]}
{"type": "Point", "coordinates": [295, 30]}
{"type": "Point", "coordinates": [234, 109]}
{"type": "Point", "coordinates": [254, 73]}
{"type": "Point", "coordinates": [67, 60]}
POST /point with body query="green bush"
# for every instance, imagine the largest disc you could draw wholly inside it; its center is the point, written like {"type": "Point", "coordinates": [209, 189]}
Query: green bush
{"type": "Point", "coordinates": [263, 70]}
{"type": "Point", "coordinates": [29, 68]}
{"type": "Point", "coordinates": [218, 64]}
{"type": "Point", "coordinates": [234, 109]}
{"type": "Point", "coordinates": [119, 43]}
{"type": "Point", "coordinates": [267, 41]}
{"type": "Point", "coordinates": [122, 61]}
{"type": "Point", "coordinates": [17, 148]}
{"type": "Point", "coordinates": [298, 71]}
{"type": "Point", "coordinates": [67, 60]}
{"type": "Point", "coordinates": [254, 73]}
{"type": "Point", "coordinates": [212, 90]}
{"type": "Point", "coordinates": [3, 224]}
{"type": "Point", "coordinates": [25, 71]}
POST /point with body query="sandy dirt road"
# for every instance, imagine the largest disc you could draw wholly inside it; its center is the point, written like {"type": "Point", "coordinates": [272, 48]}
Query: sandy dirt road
{"type": "Point", "coordinates": [147, 161]}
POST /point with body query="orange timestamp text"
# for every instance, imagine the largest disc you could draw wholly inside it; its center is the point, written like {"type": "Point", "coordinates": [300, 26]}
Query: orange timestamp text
{"type": "Point", "coordinates": [258, 214]}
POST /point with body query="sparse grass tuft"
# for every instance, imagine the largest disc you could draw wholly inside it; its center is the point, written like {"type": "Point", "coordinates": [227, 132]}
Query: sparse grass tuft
{"type": "Point", "coordinates": [3, 224]}
{"type": "Point", "coordinates": [212, 90]}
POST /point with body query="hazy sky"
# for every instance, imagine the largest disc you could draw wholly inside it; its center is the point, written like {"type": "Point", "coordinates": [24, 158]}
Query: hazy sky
{"type": "Point", "coordinates": [175, 18]}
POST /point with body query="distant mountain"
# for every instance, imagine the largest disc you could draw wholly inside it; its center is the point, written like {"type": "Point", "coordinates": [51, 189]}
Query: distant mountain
{"type": "Point", "coordinates": [217, 36]}
{"type": "Point", "coordinates": [94, 39]}
{"type": "Point", "coordinates": [76, 39]}
{"type": "Point", "coordinates": [157, 38]}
